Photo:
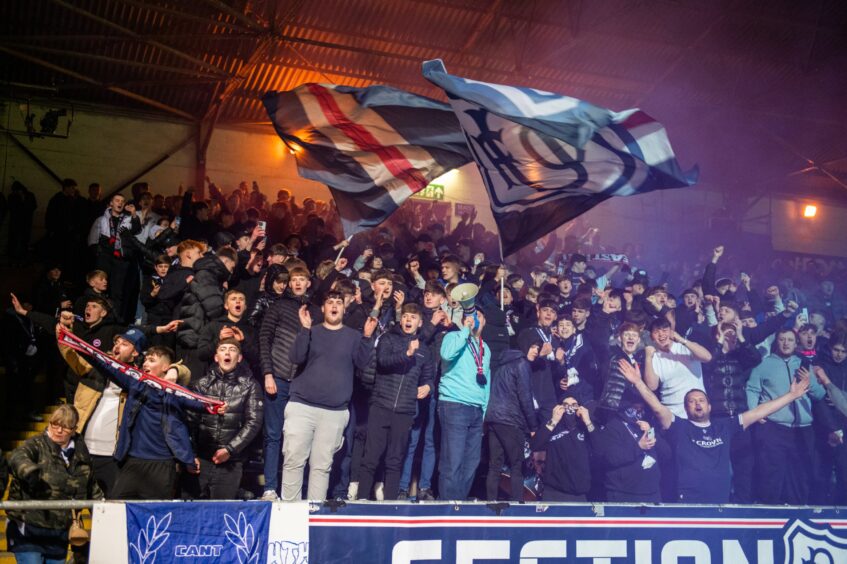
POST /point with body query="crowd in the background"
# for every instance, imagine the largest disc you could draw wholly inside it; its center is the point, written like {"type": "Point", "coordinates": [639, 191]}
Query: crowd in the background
{"type": "Point", "coordinates": [348, 368]}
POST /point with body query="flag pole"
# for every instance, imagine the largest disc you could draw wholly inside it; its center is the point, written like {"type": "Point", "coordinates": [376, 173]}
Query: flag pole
{"type": "Point", "coordinates": [341, 250]}
{"type": "Point", "coordinates": [502, 262]}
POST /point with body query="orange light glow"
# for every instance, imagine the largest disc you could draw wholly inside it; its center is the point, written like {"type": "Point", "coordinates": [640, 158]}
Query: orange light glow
{"type": "Point", "coordinates": [810, 210]}
{"type": "Point", "coordinates": [279, 148]}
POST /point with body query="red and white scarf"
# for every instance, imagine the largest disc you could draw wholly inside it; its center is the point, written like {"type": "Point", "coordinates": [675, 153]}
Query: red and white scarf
{"type": "Point", "coordinates": [74, 342]}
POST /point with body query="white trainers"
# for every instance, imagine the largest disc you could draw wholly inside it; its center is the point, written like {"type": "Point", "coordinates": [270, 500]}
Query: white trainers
{"type": "Point", "coordinates": [270, 495]}
{"type": "Point", "coordinates": [379, 491]}
{"type": "Point", "coordinates": [353, 491]}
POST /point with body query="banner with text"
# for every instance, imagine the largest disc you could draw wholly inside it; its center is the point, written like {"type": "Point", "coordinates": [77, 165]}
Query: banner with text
{"type": "Point", "coordinates": [539, 534]}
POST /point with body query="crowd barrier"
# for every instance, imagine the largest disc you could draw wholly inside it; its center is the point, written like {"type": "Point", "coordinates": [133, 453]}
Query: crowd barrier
{"type": "Point", "coordinates": [364, 533]}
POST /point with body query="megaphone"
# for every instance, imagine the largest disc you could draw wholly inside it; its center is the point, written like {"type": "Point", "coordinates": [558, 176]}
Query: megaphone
{"type": "Point", "coordinates": [465, 294]}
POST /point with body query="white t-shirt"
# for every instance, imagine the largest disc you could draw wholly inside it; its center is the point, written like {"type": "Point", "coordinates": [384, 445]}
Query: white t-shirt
{"type": "Point", "coordinates": [678, 373]}
{"type": "Point", "coordinates": [101, 433]}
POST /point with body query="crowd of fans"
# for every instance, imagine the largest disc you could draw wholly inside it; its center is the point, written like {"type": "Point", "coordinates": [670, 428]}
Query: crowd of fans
{"type": "Point", "coordinates": [348, 366]}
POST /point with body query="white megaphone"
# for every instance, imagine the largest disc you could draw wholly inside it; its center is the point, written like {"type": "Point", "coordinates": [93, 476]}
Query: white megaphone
{"type": "Point", "coordinates": [465, 294]}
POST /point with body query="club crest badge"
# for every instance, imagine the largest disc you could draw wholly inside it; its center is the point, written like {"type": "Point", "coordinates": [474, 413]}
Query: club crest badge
{"type": "Point", "coordinates": [811, 543]}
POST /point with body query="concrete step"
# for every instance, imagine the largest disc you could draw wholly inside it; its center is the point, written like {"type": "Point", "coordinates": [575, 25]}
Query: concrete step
{"type": "Point", "coordinates": [18, 435]}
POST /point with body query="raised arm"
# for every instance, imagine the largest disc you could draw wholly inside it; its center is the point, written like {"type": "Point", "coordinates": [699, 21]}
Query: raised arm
{"type": "Point", "coordinates": [699, 352]}
{"type": "Point", "coordinates": [633, 376]}
{"type": "Point", "coordinates": [839, 400]}
{"type": "Point", "coordinates": [650, 376]}
{"type": "Point", "coordinates": [454, 343]}
{"type": "Point", "coordinates": [761, 411]}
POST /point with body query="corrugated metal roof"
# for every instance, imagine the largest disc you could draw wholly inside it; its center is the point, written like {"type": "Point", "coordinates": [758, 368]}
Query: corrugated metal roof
{"type": "Point", "coordinates": [723, 67]}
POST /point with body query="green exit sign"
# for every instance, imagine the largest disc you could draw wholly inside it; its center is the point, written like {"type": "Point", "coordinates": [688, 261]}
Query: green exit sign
{"type": "Point", "coordinates": [431, 192]}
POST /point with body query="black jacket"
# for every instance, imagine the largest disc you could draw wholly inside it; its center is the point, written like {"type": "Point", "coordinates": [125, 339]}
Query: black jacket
{"type": "Point", "coordinates": [510, 402]}
{"type": "Point", "coordinates": [568, 466]}
{"type": "Point", "coordinates": [367, 375]}
{"type": "Point", "coordinates": [545, 378]}
{"type": "Point", "coordinates": [243, 418]}
{"type": "Point", "coordinates": [398, 375]}
{"type": "Point", "coordinates": [618, 452]}
{"type": "Point", "coordinates": [209, 337]}
{"type": "Point", "coordinates": [263, 303]}
{"type": "Point", "coordinates": [615, 385]}
{"type": "Point", "coordinates": [203, 301]}
{"type": "Point", "coordinates": [726, 378]}
{"type": "Point", "coordinates": [174, 288]}
{"type": "Point", "coordinates": [158, 311]}
{"type": "Point", "coordinates": [276, 337]}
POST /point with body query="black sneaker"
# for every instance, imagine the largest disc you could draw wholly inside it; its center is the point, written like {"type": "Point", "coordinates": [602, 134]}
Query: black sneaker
{"type": "Point", "coordinates": [402, 495]}
{"type": "Point", "coordinates": [426, 495]}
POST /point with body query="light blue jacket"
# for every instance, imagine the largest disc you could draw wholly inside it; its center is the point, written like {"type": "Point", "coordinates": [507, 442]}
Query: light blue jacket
{"type": "Point", "coordinates": [458, 382]}
{"type": "Point", "coordinates": [771, 379]}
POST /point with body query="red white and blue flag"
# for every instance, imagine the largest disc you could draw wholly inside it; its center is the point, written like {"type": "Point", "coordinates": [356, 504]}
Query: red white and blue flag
{"type": "Point", "coordinates": [373, 147]}
{"type": "Point", "coordinates": [546, 158]}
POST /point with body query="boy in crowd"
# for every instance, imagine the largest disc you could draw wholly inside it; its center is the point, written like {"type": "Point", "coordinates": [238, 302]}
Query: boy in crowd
{"type": "Point", "coordinates": [232, 325]}
{"type": "Point", "coordinates": [157, 310]}
{"type": "Point", "coordinates": [98, 284]}
{"type": "Point", "coordinates": [221, 439]}
{"type": "Point", "coordinates": [202, 303]}
{"type": "Point", "coordinates": [152, 432]}
{"type": "Point", "coordinates": [280, 326]}
{"type": "Point", "coordinates": [317, 413]}
{"type": "Point", "coordinates": [404, 375]}
{"type": "Point", "coordinates": [673, 365]}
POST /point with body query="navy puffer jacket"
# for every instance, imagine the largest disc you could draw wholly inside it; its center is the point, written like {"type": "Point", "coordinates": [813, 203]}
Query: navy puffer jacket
{"type": "Point", "coordinates": [399, 375]}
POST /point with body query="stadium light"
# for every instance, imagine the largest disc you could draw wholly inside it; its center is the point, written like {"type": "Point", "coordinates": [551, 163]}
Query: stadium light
{"type": "Point", "coordinates": [810, 211]}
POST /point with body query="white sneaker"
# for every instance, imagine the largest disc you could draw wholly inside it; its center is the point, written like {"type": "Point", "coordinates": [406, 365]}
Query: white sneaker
{"type": "Point", "coordinates": [379, 491]}
{"type": "Point", "coordinates": [353, 491]}
{"type": "Point", "coordinates": [270, 495]}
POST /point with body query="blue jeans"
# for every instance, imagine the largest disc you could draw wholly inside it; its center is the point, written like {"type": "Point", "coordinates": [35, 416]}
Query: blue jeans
{"type": "Point", "coordinates": [424, 422]}
{"type": "Point", "coordinates": [461, 441]}
{"type": "Point", "coordinates": [274, 409]}
{"type": "Point", "coordinates": [36, 558]}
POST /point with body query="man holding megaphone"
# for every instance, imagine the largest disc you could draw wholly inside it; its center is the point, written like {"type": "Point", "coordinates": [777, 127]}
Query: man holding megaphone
{"type": "Point", "coordinates": [463, 398]}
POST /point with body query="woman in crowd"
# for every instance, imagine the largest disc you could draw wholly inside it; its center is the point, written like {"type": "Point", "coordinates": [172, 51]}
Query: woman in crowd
{"type": "Point", "coordinates": [51, 466]}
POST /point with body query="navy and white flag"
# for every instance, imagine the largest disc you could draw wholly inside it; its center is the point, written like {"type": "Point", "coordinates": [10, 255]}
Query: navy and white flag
{"type": "Point", "coordinates": [373, 147]}
{"type": "Point", "coordinates": [547, 158]}
{"type": "Point", "coordinates": [192, 532]}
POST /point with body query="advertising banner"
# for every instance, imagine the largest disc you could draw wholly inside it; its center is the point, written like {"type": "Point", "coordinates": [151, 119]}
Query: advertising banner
{"type": "Point", "coordinates": [252, 532]}
{"type": "Point", "coordinates": [540, 534]}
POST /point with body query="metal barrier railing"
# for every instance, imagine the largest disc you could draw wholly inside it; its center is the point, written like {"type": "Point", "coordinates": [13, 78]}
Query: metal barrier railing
{"type": "Point", "coordinates": [53, 504]}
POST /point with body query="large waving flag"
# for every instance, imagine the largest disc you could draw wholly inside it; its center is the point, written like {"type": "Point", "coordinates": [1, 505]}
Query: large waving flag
{"type": "Point", "coordinates": [374, 147]}
{"type": "Point", "coordinates": [547, 158]}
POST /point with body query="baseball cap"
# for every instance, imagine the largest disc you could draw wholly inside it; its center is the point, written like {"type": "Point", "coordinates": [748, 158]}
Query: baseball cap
{"type": "Point", "coordinates": [136, 337]}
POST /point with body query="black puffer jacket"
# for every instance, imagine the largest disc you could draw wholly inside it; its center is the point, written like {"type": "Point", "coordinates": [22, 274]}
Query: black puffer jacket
{"type": "Point", "coordinates": [726, 378]}
{"type": "Point", "coordinates": [243, 418]}
{"type": "Point", "coordinates": [398, 375]}
{"type": "Point", "coordinates": [511, 393]}
{"type": "Point", "coordinates": [263, 303]}
{"type": "Point", "coordinates": [203, 301]}
{"type": "Point", "coordinates": [366, 376]}
{"type": "Point", "coordinates": [615, 385]}
{"type": "Point", "coordinates": [276, 336]}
